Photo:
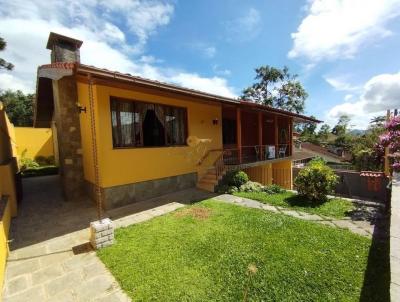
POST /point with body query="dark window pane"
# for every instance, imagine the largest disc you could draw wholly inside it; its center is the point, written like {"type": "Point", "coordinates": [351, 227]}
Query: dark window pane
{"type": "Point", "coordinates": [228, 131]}
{"type": "Point", "coordinates": [127, 123]}
{"type": "Point", "coordinates": [114, 123]}
{"type": "Point", "coordinates": [146, 124]}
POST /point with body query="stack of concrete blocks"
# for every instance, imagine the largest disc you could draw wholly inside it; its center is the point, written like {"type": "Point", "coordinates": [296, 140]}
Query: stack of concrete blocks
{"type": "Point", "coordinates": [101, 233]}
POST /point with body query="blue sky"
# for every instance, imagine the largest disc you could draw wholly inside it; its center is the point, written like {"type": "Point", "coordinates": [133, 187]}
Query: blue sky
{"type": "Point", "coordinates": [345, 52]}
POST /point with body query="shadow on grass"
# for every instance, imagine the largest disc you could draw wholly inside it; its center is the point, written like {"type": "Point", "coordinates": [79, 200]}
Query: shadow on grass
{"type": "Point", "coordinates": [301, 201]}
{"type": "Point", "coordinates": [376, 285]}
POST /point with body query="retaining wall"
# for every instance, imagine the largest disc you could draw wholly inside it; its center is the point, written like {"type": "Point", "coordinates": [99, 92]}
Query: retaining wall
{"type": "Point", "coordinates": [352, 185]}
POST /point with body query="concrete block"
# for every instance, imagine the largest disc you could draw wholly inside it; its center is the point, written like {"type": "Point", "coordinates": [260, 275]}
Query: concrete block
{"type": "Point", "coordinates": [101, 233]}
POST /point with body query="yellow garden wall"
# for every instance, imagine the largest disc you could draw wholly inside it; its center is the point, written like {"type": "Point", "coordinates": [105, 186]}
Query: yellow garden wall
{"type": "Point", "coordinates": [282, 174]}
{"type": "Point", "coordinates": [4, 230]}
{"type": "Point", "coordinates": [36, 142]}
{"type": "Point", "coordinates": [261, 174]}
{"type": "Point", "coordinates": [124, 166]}
{"type": "Point", "coordinates": [8, 196]}
{"type": "Point", "coordinates": [279, 173]}
{"type": "Point", "coordinates": [7, 184]}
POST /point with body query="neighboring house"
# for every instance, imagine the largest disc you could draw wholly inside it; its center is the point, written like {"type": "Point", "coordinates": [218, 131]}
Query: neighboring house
{"type": "Point", "coordinates": [305, 151]}
{"type": "Point", "coordinates": [152, 138]}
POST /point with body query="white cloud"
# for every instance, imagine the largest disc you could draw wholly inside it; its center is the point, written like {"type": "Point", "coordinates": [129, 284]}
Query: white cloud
{"type": "Point", "coordinates": [9, 81]}
{"type": "Point", "coordinates": [337, 28]}
{"type": "Point", "coordinates": [142, 17]}
{"type": "Point", "coordinates": [341, 83]}
{"type": "Point", "coordinates": [223, 72]}
{"type": "Point", "coordinates": [210, 51]}
{"type": "Point", "coordinates": [214, 85]}
{"type": "Point", "coordinates": [378, 94]}
{"type": "Point", "coordinates": [244, 28]}
{"type": "Point", "coordinates": [348, 97]}
{"type": "Point", "coordinates": [26, 26]}
{"type": "Point", "coordinates": [382, 92]}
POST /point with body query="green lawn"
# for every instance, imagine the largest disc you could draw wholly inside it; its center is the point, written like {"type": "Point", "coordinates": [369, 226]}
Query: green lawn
{"type": "Point", "coordinates": [336, 207]}
{"type": "Point", "coordinates": [202, 253]}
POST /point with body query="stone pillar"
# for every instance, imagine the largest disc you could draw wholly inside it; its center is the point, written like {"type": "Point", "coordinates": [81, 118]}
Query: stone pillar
{"type": "Point", "coordinates": [69, 137]}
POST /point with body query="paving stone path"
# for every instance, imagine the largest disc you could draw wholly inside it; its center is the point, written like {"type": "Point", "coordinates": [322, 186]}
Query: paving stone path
{"type": "Point", "coordinates": [361, 227]}
{"type": "Point", "coordinates": [50, 259]}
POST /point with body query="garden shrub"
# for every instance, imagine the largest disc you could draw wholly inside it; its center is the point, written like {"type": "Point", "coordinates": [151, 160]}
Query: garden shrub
{"type": "Point", "coordinates": [41, 160]}
{"type": "Point", "coordinates": [28, 163]}
{"type": "Point", "coordinates": [316, 181]}
{"type": "Point", "coordinates": [51, 160]}
{"type": "Point", "coordinates": [234, 178]}
{"type": "Point", "coordinates": [239, 178]}
{"type": "Point", "coordinates": [251, 186]}
{"type": "Point", "coordinates": [226, 189]}
{"type": "Point", "coordinates": [273, 189]}
{"type": "Point", "coordinates": [45, 161]}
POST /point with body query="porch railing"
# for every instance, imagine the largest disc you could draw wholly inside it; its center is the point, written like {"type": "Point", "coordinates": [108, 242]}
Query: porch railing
{"type": "Point", "coordinates": [250, 154]}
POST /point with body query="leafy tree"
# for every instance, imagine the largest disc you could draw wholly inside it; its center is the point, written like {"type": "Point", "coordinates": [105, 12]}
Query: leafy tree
{"type": "Point", "coordinates": [365, 154]}
{"type": "Point", "coordinates": [277, 88]}
{"type": "Point", "coordinates": [19, 107]}
{"type": "Point", "coordinates": [307, 132]}
{"type": "Point", "coordinates": [343, 139]}
{"type": "Point", "coordinates": [3, 63]}
{"type": "Point", "coordinates": [323, 133]}
{"type": "Point", "coordinates": [377, 121]}
{"type": "Point", "coordinates": [342, 125]}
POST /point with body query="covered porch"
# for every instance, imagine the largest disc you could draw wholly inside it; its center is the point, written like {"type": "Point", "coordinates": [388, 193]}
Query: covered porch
{"type": "Point", "coordinates": [251, 135]}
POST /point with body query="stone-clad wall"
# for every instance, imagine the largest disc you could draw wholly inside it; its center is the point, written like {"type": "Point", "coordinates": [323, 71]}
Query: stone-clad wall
{"type": "Point", "coordinates": [69, 136]}
{"type": "Point", "coordinates": [118, 196]}
{"type": "Point", "coordinates": [395, 240]}
{"type": "Point", "coordinates": [64, 52]}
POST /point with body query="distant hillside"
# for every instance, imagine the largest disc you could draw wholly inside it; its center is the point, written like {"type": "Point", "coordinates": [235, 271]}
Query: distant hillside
{"type": "Point", "coordinates": [357, 132]}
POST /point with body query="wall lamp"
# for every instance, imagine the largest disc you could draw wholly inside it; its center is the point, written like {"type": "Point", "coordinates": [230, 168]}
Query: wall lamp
{"type": "Point", "coordinates": [80, 108]}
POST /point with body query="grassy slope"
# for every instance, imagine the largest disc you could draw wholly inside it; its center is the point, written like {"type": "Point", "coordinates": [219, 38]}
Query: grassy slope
{"type": "Point", "coordinates": [335, 207]}
{"type": "Point", "coordinates": [178, 257]}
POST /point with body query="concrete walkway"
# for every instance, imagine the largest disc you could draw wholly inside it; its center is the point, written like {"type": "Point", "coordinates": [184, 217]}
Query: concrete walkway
{"type": "Point", "coordinates": [50, 258]}
{"type": "Point", "coordinates": [360, 227]}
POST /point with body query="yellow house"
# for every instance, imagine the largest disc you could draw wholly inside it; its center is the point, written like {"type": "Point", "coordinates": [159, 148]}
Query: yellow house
{"type": "Point", "coordinates": [130, 139]}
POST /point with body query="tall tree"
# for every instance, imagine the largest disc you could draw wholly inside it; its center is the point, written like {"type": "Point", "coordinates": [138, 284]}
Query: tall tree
{"type": "Point", "coordinates": [19, 107]}
{"type": "Point", "coordinates": [343, 138]}
{"type": "Point", "coordinates": [342, 125]}
{"type": "Point", "coordinates": [323, 133]}
{"type": "Point", "coordinates": [3, 63]}
{"type": "Point", "coordinates": [377, 121]}
{"type": "Point", "coordinates": [277, 88]}
{"type": "Point", "coordinates": [365, 154]}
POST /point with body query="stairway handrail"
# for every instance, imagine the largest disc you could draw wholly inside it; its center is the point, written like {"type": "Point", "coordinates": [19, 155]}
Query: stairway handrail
{"type": "Point", "coordinates": [207, 154]}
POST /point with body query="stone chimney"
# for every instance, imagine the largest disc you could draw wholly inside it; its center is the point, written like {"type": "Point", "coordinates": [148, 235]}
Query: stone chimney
{"type": "Point", "coordinates": [66, 124]}
{"type": "Point", "coordinates": [63, 49]}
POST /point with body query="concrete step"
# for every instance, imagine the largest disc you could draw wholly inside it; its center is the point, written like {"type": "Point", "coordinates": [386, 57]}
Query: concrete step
{"type": "Point", "coordinates": [209, 180]}
{"type": "Point", "coordinates": [206, 186]}
{"type": "Point", "coordinates": [210, 177]}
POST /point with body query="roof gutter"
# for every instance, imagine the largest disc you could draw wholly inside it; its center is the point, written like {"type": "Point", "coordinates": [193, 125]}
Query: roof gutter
{"type": "Point", "coordinates": [136, 80]}
{"type": "Point", "coordinates": [94, 71]}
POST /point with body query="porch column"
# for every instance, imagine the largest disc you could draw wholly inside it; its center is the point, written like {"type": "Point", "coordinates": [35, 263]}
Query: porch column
{"type": "Point", "coordinates": [291, 136]}
{"type": "Point", "coordinates": [276, 136]}
{"type": "Point", "coordinates": [260, 134]}
{"type": "Point", "coordinates": [239, 133]}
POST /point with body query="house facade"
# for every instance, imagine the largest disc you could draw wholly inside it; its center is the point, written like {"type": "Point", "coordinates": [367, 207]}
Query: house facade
{"type": "Point", "coordinates": [136, 138]}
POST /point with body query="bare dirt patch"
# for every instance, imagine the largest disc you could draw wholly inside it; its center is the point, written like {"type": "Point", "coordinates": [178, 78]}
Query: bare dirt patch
{"type": "Point", "coordinates": [195, 212]}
